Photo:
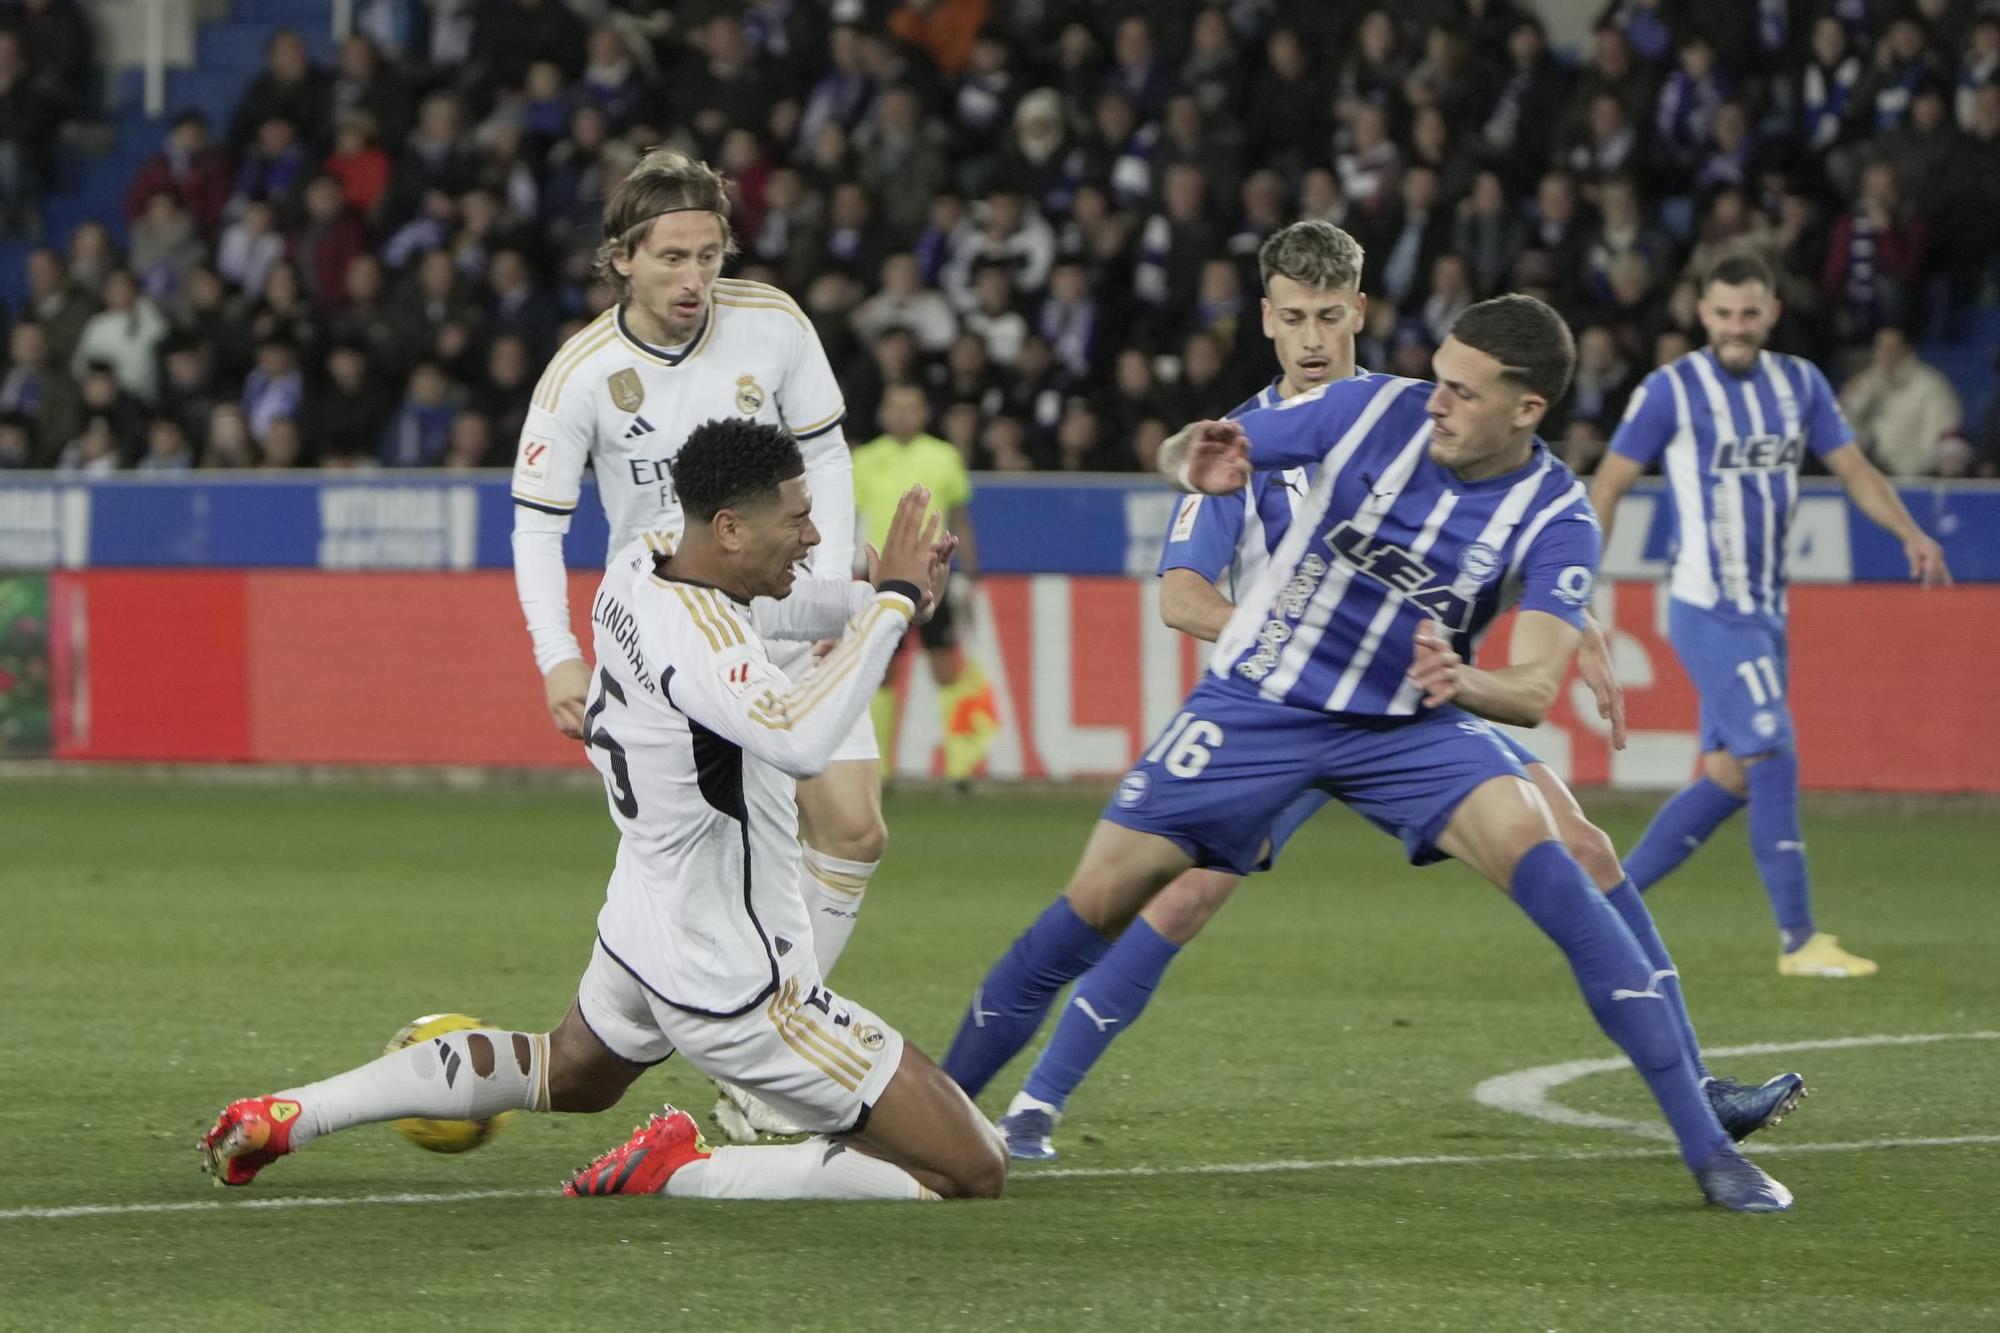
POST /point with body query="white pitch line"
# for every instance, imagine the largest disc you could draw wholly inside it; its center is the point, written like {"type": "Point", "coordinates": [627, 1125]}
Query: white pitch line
{"type": "Point", "coordinates": [1026, 1174]}
{"type": "Point", "coordinates": [1526, 1091]}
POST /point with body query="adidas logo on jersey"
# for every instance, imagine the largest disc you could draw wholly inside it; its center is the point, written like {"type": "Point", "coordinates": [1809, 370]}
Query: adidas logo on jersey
{"type": "Point", "coordinates": [640, 426]}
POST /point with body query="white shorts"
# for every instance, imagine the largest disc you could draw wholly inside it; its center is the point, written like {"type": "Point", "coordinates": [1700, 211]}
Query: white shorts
{"type": "Point", "coordinates": [859, 743]}
{"type": "Point", "coordinates": [819, 1060]}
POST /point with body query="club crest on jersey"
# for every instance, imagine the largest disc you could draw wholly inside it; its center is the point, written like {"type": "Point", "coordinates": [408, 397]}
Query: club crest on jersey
{"type": "Point", "coordinates": [749, 395]}
{"type": "Point", "coordinates": [626, 390]}
{"type": "Point", "coordinates": [1478, 562]}
{"type": "Point", "coordinates": [1759, 453]}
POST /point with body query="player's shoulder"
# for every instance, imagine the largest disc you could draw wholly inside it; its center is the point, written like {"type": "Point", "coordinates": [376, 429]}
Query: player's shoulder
{"type": "Point", "coordinates": [1360, 392]}
{"type": "Point", "coordinates": [578, 351]}
{"type": "Point", "coordinates": [1804, 374]}
{"type": "Point", "coordinates": [740, 301]}
{"type": "Point", "coordinates": [695, 615]}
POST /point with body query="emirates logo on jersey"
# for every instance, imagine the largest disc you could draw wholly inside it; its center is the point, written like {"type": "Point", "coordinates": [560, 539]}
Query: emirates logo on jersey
{"type": "Point", "coordinates": [749, 395]}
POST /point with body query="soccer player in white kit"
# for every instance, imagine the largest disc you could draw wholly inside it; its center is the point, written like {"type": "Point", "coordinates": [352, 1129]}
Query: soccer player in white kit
{"type": "Point", "coordinates": [683, 346]}
{"type": "Point", "coordinates": [703, 943]}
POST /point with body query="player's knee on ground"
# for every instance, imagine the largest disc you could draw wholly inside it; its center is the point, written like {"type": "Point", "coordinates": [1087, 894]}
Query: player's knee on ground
{"type": "Point", "coordinates": [982, 1174]}
{"type": "Point", "coordinates": [1728, 772]}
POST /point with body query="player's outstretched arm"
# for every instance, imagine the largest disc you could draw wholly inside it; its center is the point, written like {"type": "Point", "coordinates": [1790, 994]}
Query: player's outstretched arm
{"type": "Point", "coordinates": [1613, 478]}
{"type": "Point", "coordinates": [1876, 497]}
{"type": "Point", "coordinates": [1520, 693]}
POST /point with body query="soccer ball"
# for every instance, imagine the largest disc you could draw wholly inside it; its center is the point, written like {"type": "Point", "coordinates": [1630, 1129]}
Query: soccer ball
{"type": "Point", "coordinates": [443, 1135]}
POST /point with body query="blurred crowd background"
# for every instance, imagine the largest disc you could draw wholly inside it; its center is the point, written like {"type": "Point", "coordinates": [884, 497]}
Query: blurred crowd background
{"type": "Point", "coordinates": [1046, 213]}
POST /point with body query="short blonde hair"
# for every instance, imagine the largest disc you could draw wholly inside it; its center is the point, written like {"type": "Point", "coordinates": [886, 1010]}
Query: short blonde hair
{"type": "Point", "coordinates": [662, 181]}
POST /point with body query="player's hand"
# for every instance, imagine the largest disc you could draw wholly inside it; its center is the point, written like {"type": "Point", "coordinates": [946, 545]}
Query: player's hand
{"type": "Point", "coordinates": [906, 551]}
{"type": "Point", "coordinates": [942, 551]}
{"type": "Point", "coordinates": [1218, 459]}
{"type": "Point", "coordinates": [1927, 564]}
{"type": "Point", "coordinates": [1435, 666]}
{"type": "Point", "coordinates": [1593, 663]}
{"type": "Point", "coordinates": [565, 684]}
{"type": "Point", "coordinates": [823, 647]}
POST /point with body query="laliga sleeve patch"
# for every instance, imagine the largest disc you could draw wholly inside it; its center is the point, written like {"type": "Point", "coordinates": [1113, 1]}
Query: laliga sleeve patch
{"type": "Point", "coordinates": [532, 464]}
{"type": "Point", "coordinates": [1184, 518]}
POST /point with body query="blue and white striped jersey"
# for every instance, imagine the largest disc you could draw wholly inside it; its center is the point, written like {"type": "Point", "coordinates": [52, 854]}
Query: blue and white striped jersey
{"type": "Point", "coordinates": [1235, 534]}
{"type": "Point", "coordinates": [1730, 446]}
{"type": "Point", "coordinates": [1385, 539]}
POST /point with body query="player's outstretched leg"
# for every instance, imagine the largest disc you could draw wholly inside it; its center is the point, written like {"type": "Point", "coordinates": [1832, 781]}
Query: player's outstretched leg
{"type": "Point", "coordinates": [1121, 869]}
{"type": "Point", "coordinates": [1106, 1002]}
{"type": "Point", "coordinates": [1680, 827]}
{"type": "Point", "coordinates": [923, 1140]}
{"type": "Point", "coordinates": [465, 1075]}
{"type": "Point", "coordinates": [1503, 830]}
{"type": "Point", "coordinates": [1742, 1109]}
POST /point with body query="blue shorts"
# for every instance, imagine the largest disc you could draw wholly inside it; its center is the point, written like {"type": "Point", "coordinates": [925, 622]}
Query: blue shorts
{"type": "Point", "coordinates": [1234, 771]}
{"type": "Point", "coordinates": [1742, 672]}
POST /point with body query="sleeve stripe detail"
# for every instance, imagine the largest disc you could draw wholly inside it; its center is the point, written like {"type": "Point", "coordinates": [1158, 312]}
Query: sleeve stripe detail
{"type": "Point", "coordinates": [763, 305]}
{"type": "Point", "coordinates": [549, 392]}
{"type": "Point", "coordinates": [546, 506]}
{"type": "Point", "coordinates": [700, 621]}
{"type": "Point", "coordinates": [898, 605]}
{"type": "Point", "coordinates": [718, 610]}
{"type": "Point", "coordinates": [812, 1045]}
{"type": "Point", "coordinates": [820, 427]}
{"type": "Point", "coordinates": [817, 686]}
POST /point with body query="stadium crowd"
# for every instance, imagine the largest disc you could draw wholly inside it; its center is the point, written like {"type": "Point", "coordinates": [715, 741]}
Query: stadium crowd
{"type": "Point", "coordinates": [1045, 212]}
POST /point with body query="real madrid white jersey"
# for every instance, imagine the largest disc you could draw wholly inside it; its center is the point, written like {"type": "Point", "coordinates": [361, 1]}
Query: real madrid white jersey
{"type": "Point", "coordinates": [626, 407]}
{"type": "Point", "coordinates": [700, 740]}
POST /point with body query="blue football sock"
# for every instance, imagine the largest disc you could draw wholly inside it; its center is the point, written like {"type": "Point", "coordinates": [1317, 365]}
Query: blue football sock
{"type": "Point", "coordinates": [1683, 824]}
{"type": "Point", "coordinates": [1008, 1006]}
{"type": "Point", "coordinates": [1615, 977]}
{"type": "Point", "coordinates": [1640, 922]}
{"type": "Point", "coordinates": [1107, 1000]}
{"type": "Point", "coordinates": [1778, 843]}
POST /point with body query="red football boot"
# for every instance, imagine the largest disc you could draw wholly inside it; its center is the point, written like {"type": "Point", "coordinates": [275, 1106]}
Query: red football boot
{"type": "Point", "coordinates": [248, 1136]}
{"type": "Point", "coordinates": [643, 1163]}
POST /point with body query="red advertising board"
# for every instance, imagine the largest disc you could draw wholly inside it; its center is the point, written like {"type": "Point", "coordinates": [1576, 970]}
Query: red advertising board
{"type": "Point", "coordinates": [318, 668]}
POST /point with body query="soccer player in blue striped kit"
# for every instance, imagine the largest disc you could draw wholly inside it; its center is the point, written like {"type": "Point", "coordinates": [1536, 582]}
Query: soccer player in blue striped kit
{"type": "Point", "coordinates": [1313, 305]}
{"type": "Point", "coordinates": [1344, 670]}
{"type": "Point", "coordinates": [1729, 425]}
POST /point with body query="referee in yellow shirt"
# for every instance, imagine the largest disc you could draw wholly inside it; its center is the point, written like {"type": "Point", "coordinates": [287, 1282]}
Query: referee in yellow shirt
{"type": "Point", "coordinates": [906, 455]}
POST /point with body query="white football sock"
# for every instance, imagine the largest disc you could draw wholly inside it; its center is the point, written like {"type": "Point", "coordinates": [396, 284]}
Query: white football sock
{"type": "Point", "coordinates": [833, 889]}
{"type": "Point", "coordinates": [466, 1075]}
{"type": "Point", "coordinates": [819, 1168]}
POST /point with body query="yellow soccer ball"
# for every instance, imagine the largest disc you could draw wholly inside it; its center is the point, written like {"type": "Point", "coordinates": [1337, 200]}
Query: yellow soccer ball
{"type": "Point", "coordinates": [443, 1135]}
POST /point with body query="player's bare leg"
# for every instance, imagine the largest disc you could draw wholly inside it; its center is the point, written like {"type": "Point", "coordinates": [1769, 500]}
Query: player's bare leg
{"type": "Point", "coordinates": [1507, 832]}
{"type": "Point", "coordinates": [1120, 872]}
{"type": "Point", "coordinates": [926, 1125]}
{"type": "Point", "coordinates": [464, 1075]}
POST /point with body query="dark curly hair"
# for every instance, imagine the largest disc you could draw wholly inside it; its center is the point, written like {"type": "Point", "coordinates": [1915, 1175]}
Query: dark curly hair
{"type": "Point", "coordinates": [729, 463]}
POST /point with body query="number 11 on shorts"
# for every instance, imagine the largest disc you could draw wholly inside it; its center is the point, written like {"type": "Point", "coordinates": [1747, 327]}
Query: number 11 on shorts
{"type": "Point", "coordinates": [1184, 748]}
{"type": "Point", "coordinates": [1765, 690]}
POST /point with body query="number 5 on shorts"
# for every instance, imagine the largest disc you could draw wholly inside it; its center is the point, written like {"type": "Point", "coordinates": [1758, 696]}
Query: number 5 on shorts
{"type": "Point", "coordinates": [1765, 690]}
{"type": "Point", "coordinates": [1185, 748]}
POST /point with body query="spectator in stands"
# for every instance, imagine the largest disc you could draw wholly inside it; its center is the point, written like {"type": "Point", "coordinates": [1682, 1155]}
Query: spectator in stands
{"type": "Point", "coordinates": [228, 443]}
{"type": "Point", "coordinates": [290, 89]}
{"type": "Point", "coordinates": [93, 453]}
{"type": "Point", "coordinates": [166, 248]}
{"type": "Point", "coordinates": [167, 448]}
{"type": "Point", "coordinates": [436, 296]}
{"type": "Point", "coordinates": [1010, 233]}
{"type": "Point", "coordinates": [1035, 392]}
{"type": "Point", "coordinates": [27, 139]}
{"type": "Point", "coordinates": [1824, 89]}
{"type": "Point", "coordinates": [1979, 67]}
{"type": "Point", "coordinates": [1450, 294]}
{"type": "Point", "coordinates": [283, 445]}
{"type": "Point", "coordinates": [1518, 132]}
{"type": "Point", "coordinates": [1173, 244]}
{"type": "Point", "coordinates": [359, 164]}
{"type": "Point", "coordinates": [904, 302]}
{"type": "Point", "coordinates": [506, 388]}
{"type": "Point", "coordinates": [1288, 104]}
{"type": "Point", "coordinates": [1874, 257]}
{"type": "Point", "coordinates": [1558, 230]}
{"type": "Point", "coordinates": [275, 388]}
{"type": "Point", "coordinates": [1487, 233]}
{"type": "Point", "coordinates": [251, 246]}
{"type": "Point", "coordinates": [38, 389]}
{"type": "Point", "coordinates": [190, 169]}
{"type": "Point", "coordinates": [510, 35]}
{"type": "Point", "coordinates": [60, 307]}
{"type": "Point", "coordinates": [1901, 409]}
{"type": "Point", "coordinates": [17, 442]}
{"type": "Point", "coordinates": [363, 84]}
{"type": "Point", "coordinates": [92, 256]}
{"type": "Point", "coordinates": [420, 431]}
{"type": "Point", "coordinates": [1069, 318]}
{"type": "Point", "coordinates": [326, 246]}
{"type": "Point", "coordinates": [901, 157]}
{"type": "Point", "coordinates": [126, 336]}
{"type": "Point", "coordinates": [435, 157]}
{"type": "Point", "coordinates": [188, 387]}
{"type": "Point", "coordinates": [1690, 98]}
{"type": "Point", "coordinates": [994, 317]}
{"type": "Point", "coordinates": [1083, 445]}
{"type": "Point", "coordinates": [367, 319]}
{"type": "Point", "coordinates": [471, 443]}
{"type": "Point", "coordinates": [1409, 239]}
{"type": "Point", "coordinates": [349, 408]}
{"type": "Point", "coordinates": [1604, 380]}
{"type": "Point", "coordinates": [1969, 241]}
{"type": "Point", "coordinates": [1901, 64]}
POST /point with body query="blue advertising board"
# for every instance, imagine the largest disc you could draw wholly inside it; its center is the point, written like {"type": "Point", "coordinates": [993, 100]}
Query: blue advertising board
{"type": "Point", "coordinates": [1025, 525]}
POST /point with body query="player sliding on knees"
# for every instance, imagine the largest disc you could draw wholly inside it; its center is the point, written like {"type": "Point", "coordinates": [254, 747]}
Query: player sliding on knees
{"type": "Point", "coordinates": [704, 943]}
{"type": "Point", "coordinates": [1313, 305]}
{"type": "Point", "coordinates": [1341, 671]}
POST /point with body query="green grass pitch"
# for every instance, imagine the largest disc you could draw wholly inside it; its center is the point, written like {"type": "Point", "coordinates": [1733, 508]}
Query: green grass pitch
{"type": "Point", "coordinates": [167, 946]}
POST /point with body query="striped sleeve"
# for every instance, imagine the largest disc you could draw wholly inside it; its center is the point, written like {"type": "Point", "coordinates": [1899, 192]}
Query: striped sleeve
{"type": "Point", "coordinates": [723, 678]}
{"type": "Point", "coordinates": [562, 418]}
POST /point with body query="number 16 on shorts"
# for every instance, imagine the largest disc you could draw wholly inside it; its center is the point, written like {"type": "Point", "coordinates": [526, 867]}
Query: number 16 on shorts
{"type": "Point", "coordinates": [1186, 746]}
